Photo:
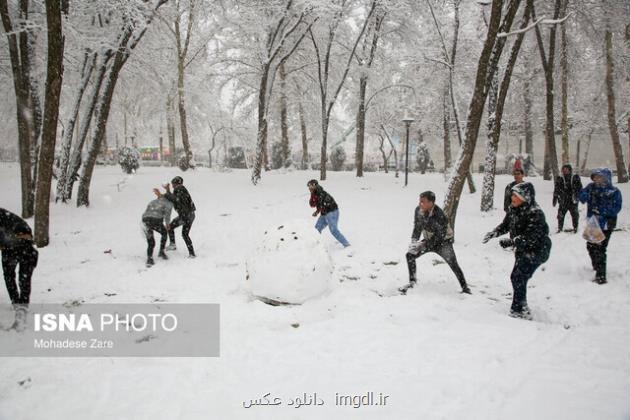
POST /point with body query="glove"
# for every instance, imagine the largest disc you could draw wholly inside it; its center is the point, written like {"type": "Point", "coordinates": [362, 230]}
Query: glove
{"type": "Point", "coordinates": [489, 236]}
{"type": "Point", "coordinates": [506, 243]}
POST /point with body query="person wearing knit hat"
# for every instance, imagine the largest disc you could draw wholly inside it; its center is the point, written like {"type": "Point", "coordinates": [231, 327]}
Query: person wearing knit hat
{"type": "Point", "coordinates": [518, 173]}
{"type": "Point", "coordinates": [565, 194]}
{"type": "Point", "coordinates": [529, 238]}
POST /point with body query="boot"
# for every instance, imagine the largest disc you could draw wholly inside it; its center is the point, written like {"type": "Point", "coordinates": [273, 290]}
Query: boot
{"type": "Point", "coordinates": [162, 255]}
{"type": "Point", "coordinates": [466, 289]}
{"type": "Point", "coordinates": [171, 247]}
{"type": "Point", "coordinates": [19, 324]}
{"type": "Point", "coordinates": [150, 261]}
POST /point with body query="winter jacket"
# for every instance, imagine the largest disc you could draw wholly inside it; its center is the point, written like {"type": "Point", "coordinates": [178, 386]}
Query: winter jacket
{"type": "Point", "coordinates": [566, 190]}
{"type": "Point", "coordinates": [433, 226]}
{"type": "Point", "coordinates": [180, 197]}
{"type": "Point", "coordinates": [10, 226]}
{"type": "Point", "coordinates": [160, 209]}
{"type": "Point", "coordinates": [602, 201]}
{"type": "Point", "coordinates": [507, 196]}
{"type": "Point", "coordinates": [323, 201]}
{"type": "Point", "coordinates": [527, 226]}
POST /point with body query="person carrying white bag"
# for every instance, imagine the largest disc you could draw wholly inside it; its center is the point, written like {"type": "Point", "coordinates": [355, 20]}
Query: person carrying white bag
{"type": "Point", "coordinates": [603, 202]}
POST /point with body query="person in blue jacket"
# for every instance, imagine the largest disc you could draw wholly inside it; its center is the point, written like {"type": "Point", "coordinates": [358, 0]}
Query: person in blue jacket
{"type": "Point", "coordinates": [603, 200]}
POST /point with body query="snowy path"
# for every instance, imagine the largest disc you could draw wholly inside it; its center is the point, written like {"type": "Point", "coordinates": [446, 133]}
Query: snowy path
{"type": "Point", "coordinates": [436, 353]}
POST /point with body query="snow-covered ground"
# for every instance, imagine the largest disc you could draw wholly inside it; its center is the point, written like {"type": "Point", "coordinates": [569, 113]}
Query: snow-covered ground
{"type": "Point", "coordinates": [435, 352]}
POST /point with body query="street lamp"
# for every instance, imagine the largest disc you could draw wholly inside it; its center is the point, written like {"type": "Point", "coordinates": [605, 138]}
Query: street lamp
{"type": "Point", "coordinates": [407, 120]}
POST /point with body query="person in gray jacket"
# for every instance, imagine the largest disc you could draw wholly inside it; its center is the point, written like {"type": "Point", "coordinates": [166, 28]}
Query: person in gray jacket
{"type": "Point", "coordinates": [155, 218]}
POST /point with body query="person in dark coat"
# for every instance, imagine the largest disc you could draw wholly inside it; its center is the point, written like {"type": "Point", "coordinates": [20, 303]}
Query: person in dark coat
{"type": "Point", "coordinates": [16, 243]}
{"type": "Point", "coordinates": [431, 223]}
{"type": "Point", "coordinates": [603, 200]}
{"type": "Point", "coordinates": [185, 207]}
{"type": "Point", "coordinates": [327, 209]}
{"type": "Point", "coordinates": [518, 174]}
{"type": "Point", "coordinates": [155, 218]}
{"type": "Point", "coordinates": [565, 195]}
{"type": "Point", "coordinates": [529, 237]}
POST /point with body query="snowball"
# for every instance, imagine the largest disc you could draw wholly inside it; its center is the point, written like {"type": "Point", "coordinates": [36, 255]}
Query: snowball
{"type": "Point", "coordinates": [290, 264]}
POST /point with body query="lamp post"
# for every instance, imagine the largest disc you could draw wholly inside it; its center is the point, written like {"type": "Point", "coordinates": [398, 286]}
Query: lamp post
{"type": "Point", "coordinates": [407, 120]}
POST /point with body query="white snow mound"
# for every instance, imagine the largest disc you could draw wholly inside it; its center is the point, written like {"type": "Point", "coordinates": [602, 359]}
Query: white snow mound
{"type": "Point", "coordinates": [290, 264]}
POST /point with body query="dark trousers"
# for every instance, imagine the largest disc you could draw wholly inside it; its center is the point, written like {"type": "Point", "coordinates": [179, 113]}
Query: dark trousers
{"type": "Point", "coordinates": [524, 268]}
{"type": "Point", "coordinates": [26, 257]}
{"type": "Point", "coordinates": [150, 225]}
{"type": "Point", "coordinates": [445, 251]}
{"type": "Point", "coordinates": [573, 210]}
{"type": "Point", "coordinates": [185, 221]}
{"type": "Point", "coordinates": [597, 252]}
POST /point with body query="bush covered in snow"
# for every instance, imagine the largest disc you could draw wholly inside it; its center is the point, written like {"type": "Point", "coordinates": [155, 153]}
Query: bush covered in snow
{"type": "Point", "coordinates": [185, 162]}
{"type": "Point", "coordinates": [129, 159]}
{"type": "Point", "coordinates": [277, 157]}
{"type": "Point", "coordinates": [290, 265]}
{"type": "Point", "coordinates": [236, 158]}
{"type": "Point", "coordinates": [337, 158]}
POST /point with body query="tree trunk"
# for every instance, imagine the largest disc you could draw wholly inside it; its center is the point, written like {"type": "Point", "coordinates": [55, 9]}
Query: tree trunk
{"type": "Point", "coordinates": [586, 152]}
{"type": "Point", "coordinates": [446, 120]}
{"type": "Point", "coordinates": [261, 137]}
{"type": "Point", "coordinates": [487, 189]}
{"type": "Point", "coordinates": [485, 72]}
{"type": "Point", "coordinates": [66, 146]}
{"type": "Point", "coordinates": [564, 80]}
{"type": "Point", "coordinates": [360, 146]}
{"type": "Point", "coordinates": [23, 111]}
{"type": "Point", "coordinates": [120, 57]}
{"type": "Point", "coordinates": [75, 161]}
{"type": "Point", "coordinates": [577, 154]}
{"type": "Point", "coordinates": [385, 155]}
{"type": "Point", "coordinates": [551, 156]}
{"type": "Point", "coordinates": [54, 78]}
{"type": "Point", "coordinates": [360, 124]}
{"type": "Point", "coordinates": [183, 123]}
{"type": "Point", "coordinates": [324, 151]}
{"type": "Point", "coordinates": [391, 143]}
{"type": "Point", "coordinates": [622, 174]}
{"type": "Point", "coordinates": [305, 159]}
{"type": "Point", "coordinates": [284, 124]}
{"type": "Point", "coordinates": [170, 130]}
{"type": "Point", "coordinates": [527, 117]}
{"type": "Point", "coordinates": [494, 123]}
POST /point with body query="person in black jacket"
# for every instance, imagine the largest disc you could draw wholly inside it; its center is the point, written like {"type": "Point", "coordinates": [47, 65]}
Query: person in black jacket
{"type": "Point", "coordinates": [518, 174]}
{"type": "Point", "coordinates": [185, 207]}
{"type": "Point", "coordinates": [437, 236]}
{"type": "Point", "coordinates": [327, 209]}
{"type": "Point", "coordinates": [529, 236]}
{"type": "Point", "coordinates": [16, 243]}
{"type": "Point", "coordinates": [565, 194]}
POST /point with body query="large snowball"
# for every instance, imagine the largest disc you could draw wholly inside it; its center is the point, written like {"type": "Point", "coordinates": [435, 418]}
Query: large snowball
{"type": "Point", "coordinates": [290, 265]}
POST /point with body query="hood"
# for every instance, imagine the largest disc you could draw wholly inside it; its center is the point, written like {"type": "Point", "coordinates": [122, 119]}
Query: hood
{"type": "Point", "coordinates": [605, 172]}
{"type": "Point", "coordinates": [526, 191]}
